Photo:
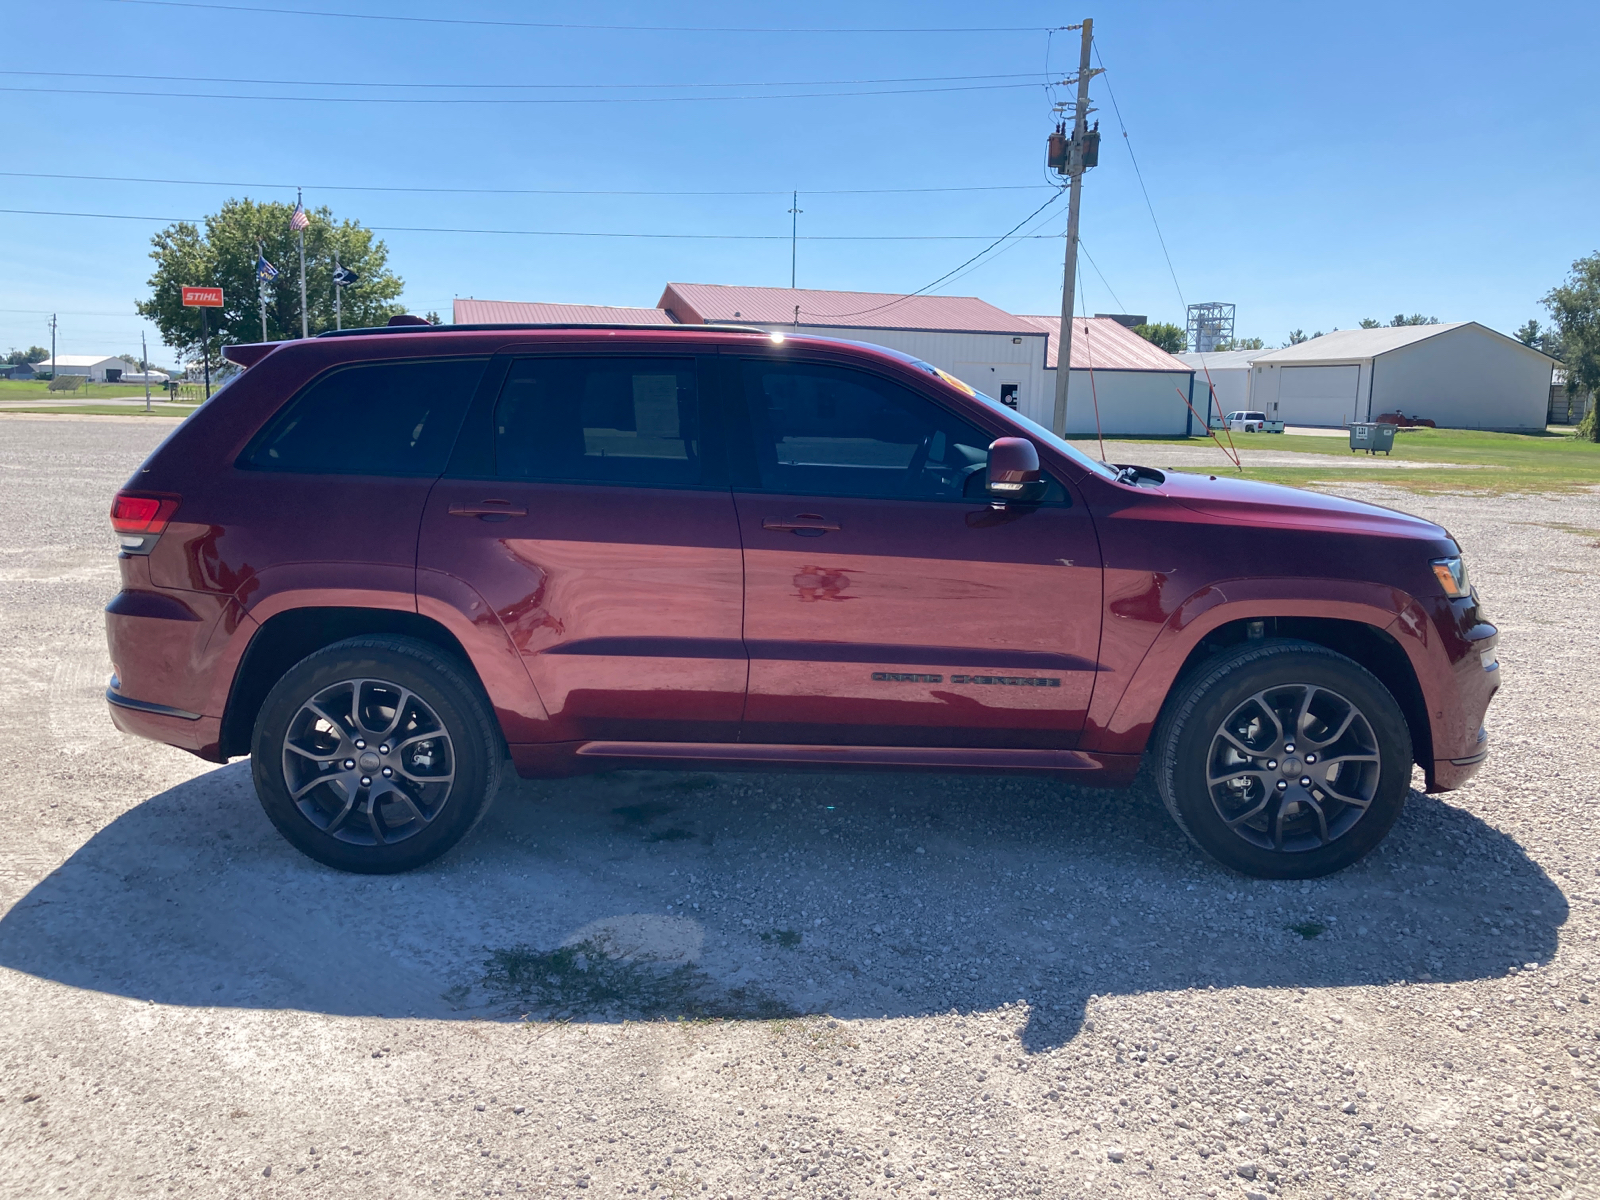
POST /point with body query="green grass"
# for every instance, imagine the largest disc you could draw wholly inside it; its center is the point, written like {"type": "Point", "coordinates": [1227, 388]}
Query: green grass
{"type": "Point", "coordinates": [110, 410]}
{"type": "Point", "coordinates": [31, 389]}
{"type": "Point", "coordinates": [1497, 462]}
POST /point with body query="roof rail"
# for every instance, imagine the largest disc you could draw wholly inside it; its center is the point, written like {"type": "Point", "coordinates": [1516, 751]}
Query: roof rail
{"type": "Point", "coordinates": [411, 329]}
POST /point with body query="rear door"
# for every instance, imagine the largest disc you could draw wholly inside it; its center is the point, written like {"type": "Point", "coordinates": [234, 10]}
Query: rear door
{"type": "Point", "coordinates": [886, 601]}
{"type": "Point", "coordinates": [589, 512]}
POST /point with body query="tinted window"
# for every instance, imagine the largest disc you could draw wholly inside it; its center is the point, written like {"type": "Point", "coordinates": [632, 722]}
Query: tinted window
{"type": "Point", "coordinates": [832, 431]}
{"type": "Point", "coordinates": [600, 420]}
{"type": "Point", "coordinates": [395, 418]}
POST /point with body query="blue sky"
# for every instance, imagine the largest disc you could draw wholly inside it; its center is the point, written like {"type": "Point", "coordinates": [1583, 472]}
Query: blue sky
{"type": "Point", "coordinates": [1313, 164]}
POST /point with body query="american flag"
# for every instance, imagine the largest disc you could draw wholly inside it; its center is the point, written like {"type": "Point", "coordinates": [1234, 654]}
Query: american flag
{"type": "Point", "coordinates": [299, 221]}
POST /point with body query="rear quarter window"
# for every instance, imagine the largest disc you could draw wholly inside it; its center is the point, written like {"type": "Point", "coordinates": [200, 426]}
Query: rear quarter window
{"type": "Point", "coordinates": [391, 418]}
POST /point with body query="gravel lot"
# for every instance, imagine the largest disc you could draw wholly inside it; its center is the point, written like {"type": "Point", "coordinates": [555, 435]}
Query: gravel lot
{"type": "Point", "coordinates": [752, 985]}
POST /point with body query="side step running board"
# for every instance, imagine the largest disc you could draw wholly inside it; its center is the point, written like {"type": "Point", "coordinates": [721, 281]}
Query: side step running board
{"type": "Point", "coordinates": [967, 758]}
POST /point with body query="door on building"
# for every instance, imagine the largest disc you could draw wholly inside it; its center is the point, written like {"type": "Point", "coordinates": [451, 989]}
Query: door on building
{"type": "Point", "coordinates": [1318, 395]}
{"type": "Point", "coordinates": [588, 507]}
{"type": "Point", "coordinates": [886, 601]}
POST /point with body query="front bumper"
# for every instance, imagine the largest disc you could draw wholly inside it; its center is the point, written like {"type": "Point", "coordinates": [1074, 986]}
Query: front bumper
{"type": "Point", "coordinates": [1460, 742]}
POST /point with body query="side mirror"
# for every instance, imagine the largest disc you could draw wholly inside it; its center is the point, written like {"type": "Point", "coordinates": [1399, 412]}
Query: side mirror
{"type": "Point", "coordinates": [1014, 473]}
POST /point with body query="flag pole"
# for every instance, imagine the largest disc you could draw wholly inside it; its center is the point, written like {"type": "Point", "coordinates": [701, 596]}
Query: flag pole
{"type": "Point", "coordinates": [338, 294]}
{"type": "Point", "coordinates": [305, 326]}
{"type": "Point", "coordinates": [261, 286]}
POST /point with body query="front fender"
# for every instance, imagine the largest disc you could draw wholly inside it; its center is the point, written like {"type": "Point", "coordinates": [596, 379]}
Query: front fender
{"type": "Point", "coordinates": [1121, 718]}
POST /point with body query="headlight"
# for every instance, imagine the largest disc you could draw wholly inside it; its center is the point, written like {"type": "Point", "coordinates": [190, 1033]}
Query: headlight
{"type": "Point", "coordinates": [1452, 576]}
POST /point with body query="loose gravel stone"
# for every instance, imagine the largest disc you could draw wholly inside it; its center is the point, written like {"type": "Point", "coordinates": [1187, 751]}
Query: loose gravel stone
{"type": "Point", "coordinates": [620, 984]}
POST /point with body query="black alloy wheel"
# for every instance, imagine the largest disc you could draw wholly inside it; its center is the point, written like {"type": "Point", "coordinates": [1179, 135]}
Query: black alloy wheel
{"type": "Point", "coordinates": [1283, 760]}
{"type": "Point", "coordinates": [376, 755]}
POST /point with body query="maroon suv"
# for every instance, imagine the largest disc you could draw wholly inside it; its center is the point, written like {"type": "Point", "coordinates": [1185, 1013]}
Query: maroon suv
{"type": "Point", "coordinates": [385, 561]}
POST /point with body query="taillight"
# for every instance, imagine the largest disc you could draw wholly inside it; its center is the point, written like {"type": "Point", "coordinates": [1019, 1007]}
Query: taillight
{"type": "Point", "coordinates": [139, 519]}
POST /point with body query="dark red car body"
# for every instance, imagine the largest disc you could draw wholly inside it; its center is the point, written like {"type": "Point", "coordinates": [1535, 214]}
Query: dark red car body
{"type": "Point", "coordinates": [615, 626]}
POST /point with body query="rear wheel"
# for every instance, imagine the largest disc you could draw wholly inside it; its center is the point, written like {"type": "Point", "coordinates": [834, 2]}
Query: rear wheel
{"type": "Point", "coordinates": [1284, 760]}
{"type": "Point", "coordinates": [375, 755]}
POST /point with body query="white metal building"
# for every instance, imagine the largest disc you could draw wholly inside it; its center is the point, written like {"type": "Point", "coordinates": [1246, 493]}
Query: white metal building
{"type": "Point", "coordinates": [1229, 372]}
{"type": "Point", "coordinates": [998, 353]}
{"type": "Point", "coordinates": [1140, 388]}
{"type": "Point", "coordinates": [1460, 376]}
{"type": "Point", "coordinates": [97, 368]}
{"type": "Point", "coordinates": [1121, 384]}
{"type": "Point", "coordinates": [1012, 358]}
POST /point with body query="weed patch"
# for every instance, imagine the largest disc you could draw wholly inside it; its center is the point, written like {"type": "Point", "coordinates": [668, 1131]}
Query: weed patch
{"type": "Point", "coordinates": [587, 979]}
{"type": "Point", "coordinates": [1309, 929]}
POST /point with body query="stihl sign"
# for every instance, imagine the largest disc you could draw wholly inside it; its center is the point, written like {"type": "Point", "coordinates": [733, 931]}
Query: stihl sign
{"type": "Point", "coordinates": [194, 297]}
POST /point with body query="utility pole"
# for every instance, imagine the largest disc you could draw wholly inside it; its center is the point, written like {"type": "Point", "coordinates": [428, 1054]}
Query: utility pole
{"type": "Point", "coordinates": [794, 232]}
{"type": "Point", "coordinates": [338, 294]}
{"type": "Point", "coordinates": [54, 373]}
{"type": "Point", "coordinates": [144, 369]}
{"type": "Point", "coordinates": [1081, 151]}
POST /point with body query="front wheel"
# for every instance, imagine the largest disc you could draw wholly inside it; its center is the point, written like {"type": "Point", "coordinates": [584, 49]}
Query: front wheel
{"type": "Point", "coordinates": [1284, 760]}
{"type": "Point", "coordinates": [375, 755]}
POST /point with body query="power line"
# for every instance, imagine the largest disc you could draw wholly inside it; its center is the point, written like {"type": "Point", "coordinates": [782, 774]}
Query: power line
{"type": "Point", "coordinates": [953, 270]}
{"type": "Point", "coordinates": [548, 87]}
{"type": "Point", "coordinates": [334, 187]}
{"type": "Point", "coordinates": [1139, 175]}
{"type": "Point", "coordinates": [1100, 273]}
{"type": "Point", "coordinates": [731, 237]}
{"type": "Point", "coordinates": [479, 22]}
{"type": "Point", "coordinates": [521, 100]}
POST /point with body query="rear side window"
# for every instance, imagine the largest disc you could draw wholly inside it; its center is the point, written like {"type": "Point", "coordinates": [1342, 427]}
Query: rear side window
{"type": "Point", "coordinates": [393, 418]}
{"type": "Point", "coordinates": [618, 420]}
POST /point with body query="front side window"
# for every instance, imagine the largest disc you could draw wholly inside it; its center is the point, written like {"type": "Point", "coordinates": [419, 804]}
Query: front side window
{"type": "Point", "coordinates": [832, 431]}
{"type": "Point", "coordinates": [601, 420]}
{"type": "Point", "coordinates": [394, 418]}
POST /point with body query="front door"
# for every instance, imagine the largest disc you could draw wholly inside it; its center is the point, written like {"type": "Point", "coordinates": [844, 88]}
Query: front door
{"type": "Point", "coordinates": [886, 601]}
{"type": "Point", "coordinates": [598, 527]}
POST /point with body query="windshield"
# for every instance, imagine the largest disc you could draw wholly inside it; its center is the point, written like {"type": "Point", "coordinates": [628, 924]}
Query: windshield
{"type": "Point", "coordinates": [1028, 423]}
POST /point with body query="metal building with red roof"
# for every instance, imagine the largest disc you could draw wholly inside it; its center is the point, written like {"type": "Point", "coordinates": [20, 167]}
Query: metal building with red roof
{"type": "Point", "coordinates": [1120, 382]}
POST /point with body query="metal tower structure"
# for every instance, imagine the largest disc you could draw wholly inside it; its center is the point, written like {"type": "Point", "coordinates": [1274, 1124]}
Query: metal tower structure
{"type": "Point", "coordinates": [1210, 324]}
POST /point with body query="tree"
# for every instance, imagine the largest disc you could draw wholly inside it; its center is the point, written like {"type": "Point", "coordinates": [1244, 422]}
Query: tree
{"type": "Point", "coordinates": [432, 318]}
{"type": "Point", "coordinates": [1239, 344]}
{"type": "Point", "coordinates": [225, 255]}
{"type": "Point", "coordinates": [1370, 323]}
{"type": "Point", "coordinates": [1575, 308]}
{"type": "Point", "coordinates": [1169, 337]}
{"type": "Point", "coordinates": [1296, 336]}
{"type": "Point", "coordinates": [32, 354]}
{"type": "Point", "coordinates": [1541, 338]}
{"type": "Point", "coordinates": [1414, 319]}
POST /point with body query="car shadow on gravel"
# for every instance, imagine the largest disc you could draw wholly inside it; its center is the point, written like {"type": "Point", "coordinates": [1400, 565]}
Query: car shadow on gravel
{"type": "Point", "coordinates": [648, 895]}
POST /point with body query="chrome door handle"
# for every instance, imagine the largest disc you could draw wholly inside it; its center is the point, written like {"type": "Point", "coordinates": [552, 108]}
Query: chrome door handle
{"type": "Point", "coordinates": [489, 510]}
{"type": "Point", "coordinates": [805, 525]}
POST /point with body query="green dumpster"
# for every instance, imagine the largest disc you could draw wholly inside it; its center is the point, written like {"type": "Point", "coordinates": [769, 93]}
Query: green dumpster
{"type": "Point", "coordinates": [1372, 436]}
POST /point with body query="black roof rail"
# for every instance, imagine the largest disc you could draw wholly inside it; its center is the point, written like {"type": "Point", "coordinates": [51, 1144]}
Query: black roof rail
{"type": "Point", "coordinates": [716, 326]}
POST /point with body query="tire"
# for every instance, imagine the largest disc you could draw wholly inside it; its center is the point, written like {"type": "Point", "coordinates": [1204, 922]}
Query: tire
{"type": "Point", "coordinates": [1339, 795]}
{"type": "Point", "coordinates": [402, 800]}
